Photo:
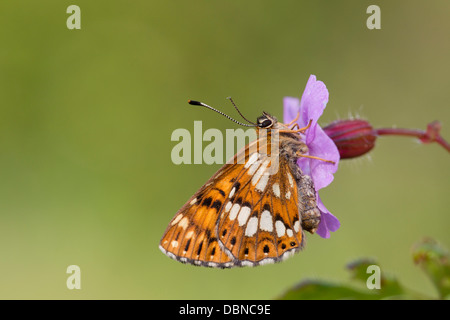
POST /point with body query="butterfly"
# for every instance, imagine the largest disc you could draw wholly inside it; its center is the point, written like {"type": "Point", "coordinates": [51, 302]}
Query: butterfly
{"type": "Point", "coordinates": [254, 209]}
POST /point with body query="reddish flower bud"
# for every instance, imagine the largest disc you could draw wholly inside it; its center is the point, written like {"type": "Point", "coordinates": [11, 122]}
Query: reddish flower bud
{"type": "Point", "coordinates": [353, 138]}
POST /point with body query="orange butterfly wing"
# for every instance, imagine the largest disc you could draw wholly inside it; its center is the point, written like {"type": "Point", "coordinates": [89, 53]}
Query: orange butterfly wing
{"type": "Point", "coordinates": [260, 222]}
{"type": "Point", "coordinates": [191, 235]}
{"type": "Point", "coordinates": [246, 214]}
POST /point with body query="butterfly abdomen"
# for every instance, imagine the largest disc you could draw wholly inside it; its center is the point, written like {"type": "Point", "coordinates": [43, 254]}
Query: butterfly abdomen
{"type": "Point", "coordinates": [307, 204]}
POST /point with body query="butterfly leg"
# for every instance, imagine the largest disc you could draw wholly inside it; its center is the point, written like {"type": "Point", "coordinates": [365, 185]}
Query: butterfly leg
{"type": "Point", "coordinates": [298, 130]}
{"type": "Point", "coordinates": [313, 157]}
{"type": "Point", "coordinates": [293, 121]}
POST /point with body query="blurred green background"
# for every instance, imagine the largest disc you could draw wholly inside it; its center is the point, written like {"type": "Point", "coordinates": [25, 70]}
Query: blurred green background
{"type": "Point", "coordinates": [86, 118]}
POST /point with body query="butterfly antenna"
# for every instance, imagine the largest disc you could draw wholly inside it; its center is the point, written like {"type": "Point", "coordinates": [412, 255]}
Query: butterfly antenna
{"type": "Point", "coordinates": [198, 103]}
{"type": "Point", "coordinates": [229, 98]}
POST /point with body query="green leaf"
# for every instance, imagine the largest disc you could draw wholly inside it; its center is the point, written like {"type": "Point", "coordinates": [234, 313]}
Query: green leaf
{"type": "Point", "coordinates": [372, 282]}
{"type": "Point", "coordinates": [389, 286]}
{"type": "Point", "coordinates": [361, 270]}
{"type": "Point", "coordinates": [434, 260]}
{"type": "Point", "coordinates": [323, 290]}
{"type": "Point", "coordinates": [358, 268]}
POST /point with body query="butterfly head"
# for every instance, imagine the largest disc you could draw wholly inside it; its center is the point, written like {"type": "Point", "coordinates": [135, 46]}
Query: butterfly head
{"type": "Point", "coordinates": [265, 121]}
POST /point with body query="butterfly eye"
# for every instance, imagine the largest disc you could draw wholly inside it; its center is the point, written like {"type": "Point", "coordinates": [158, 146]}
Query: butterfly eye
{"type": "Point", "coordinates": [263, 122]}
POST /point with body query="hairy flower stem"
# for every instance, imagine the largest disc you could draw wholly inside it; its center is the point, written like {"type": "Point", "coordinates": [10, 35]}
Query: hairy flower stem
{"type": "Point", "coordinates": [430, 135]}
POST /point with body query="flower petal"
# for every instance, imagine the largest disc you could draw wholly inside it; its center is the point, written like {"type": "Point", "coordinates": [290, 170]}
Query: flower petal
{"type": "Point", "coordinates": [321, 172]}
{"type": "Point", "coordinates": [291, 107]}
{"type": "Point", "coordinates": [313, 102]}
{"type": "Point", "coordinates": [311, 107]}
{"type": "Point", "coordinates": [328, 222]}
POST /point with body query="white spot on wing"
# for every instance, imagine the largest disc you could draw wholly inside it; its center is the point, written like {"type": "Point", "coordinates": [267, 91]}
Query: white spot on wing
{"type": "Point", "coordinates": [243, 215]}
{"type": "Point", "coordinates": [252, 160]}
{"type": "Point", "coordinates": [178, 218]}
{"type": "Point", "coordinates": [232, 192]}
{"type": "Point", "coordinates": [234, 211]}
{"type": "Point", "coordinates": [280, 228]}
{"type": "Point", "coordinates": [297, 226]}
{"type": "Point", "coordinates": [287, 254]}
{"type": "Point", "coordinates": [289, 232]}
{"type": "Point", "coordinates": [276, 189]}
{"type": "Point", "coordinates": [171, 255]}
{"type": "Point", "coordinates": [251, 171]}
{"type": "Point", "coordinates": [262, 183]}
{"type": "Point", "coordinates": [266, 222]}
{"type": "Point", "coordinates": [228, 206]}
{"type": "Point", "coordinates": [291, 180]}
{"type": "Point", "coordinates": [252, 227]}
{"type": "Point", "coordinates": [189, 234]}
{"type": "Point", "coordinates": [184, 223]}
{"type": "Point", "coordinates": [266, 261]}
{"type": "Point", "coordinates": [260, 172]}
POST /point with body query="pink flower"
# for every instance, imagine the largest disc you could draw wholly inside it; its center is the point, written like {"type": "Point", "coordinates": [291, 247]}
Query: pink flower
{"type": "Point", "coordinates": [311, 106]}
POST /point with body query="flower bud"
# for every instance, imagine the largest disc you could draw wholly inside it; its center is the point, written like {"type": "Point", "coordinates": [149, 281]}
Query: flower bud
{"type": "Point", "coordinates": [353, 138]}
